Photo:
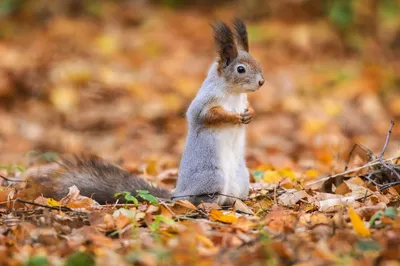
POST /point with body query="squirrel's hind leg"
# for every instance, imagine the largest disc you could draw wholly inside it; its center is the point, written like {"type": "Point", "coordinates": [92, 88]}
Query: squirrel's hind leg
{"type": "Point", "coordinates": [243, 180]}
{"type": "Point", "coordinates": [202, 186]}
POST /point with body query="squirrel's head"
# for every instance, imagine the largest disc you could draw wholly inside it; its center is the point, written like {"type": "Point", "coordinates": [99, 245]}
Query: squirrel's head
{"type": "Point", "coordinates": [241, 72]}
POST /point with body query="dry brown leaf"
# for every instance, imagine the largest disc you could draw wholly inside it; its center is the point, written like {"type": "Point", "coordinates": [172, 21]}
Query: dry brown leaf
{"type": "Point", "coordinates": [292, 196]}
{"type": "Point", "coordinates": [121, 221]}
{"type": "Point", "coordinates": [240, 206]}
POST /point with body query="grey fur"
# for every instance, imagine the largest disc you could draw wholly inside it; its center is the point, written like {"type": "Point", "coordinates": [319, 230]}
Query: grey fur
{"type": "Point", "coordinates": [94, 178]}
{"type": "Point", "coordinates": [200, 169]}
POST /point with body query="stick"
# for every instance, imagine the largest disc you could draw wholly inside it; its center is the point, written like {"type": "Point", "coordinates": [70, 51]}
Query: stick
{"type": "Point", "coordinates": [372, 163]}
{"type": "Point", "coordinates": [371, 180]}
{"type": "Point", "coordinates": [389, 185]}
{"type": "Point", "coordinates": [384, 149]}
{"type": "Point", "coordinates": [12, 180]}
{"type": "Point", "coordinates": [61, 208]}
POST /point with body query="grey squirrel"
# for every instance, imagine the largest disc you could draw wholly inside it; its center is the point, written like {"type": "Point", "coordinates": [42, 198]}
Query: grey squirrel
{"type": "Point", "coordinates": [212, 167]}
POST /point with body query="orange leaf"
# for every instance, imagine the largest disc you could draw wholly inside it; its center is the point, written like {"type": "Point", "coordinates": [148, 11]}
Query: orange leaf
{"type": "Point", "coordinates": [122, 221]}
{"type": "Point", "coordinates": [217, 215]}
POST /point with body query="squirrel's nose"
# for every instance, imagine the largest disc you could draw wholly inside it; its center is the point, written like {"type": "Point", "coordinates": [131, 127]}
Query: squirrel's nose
{"type": "Point", "coordinates": [261, 82]}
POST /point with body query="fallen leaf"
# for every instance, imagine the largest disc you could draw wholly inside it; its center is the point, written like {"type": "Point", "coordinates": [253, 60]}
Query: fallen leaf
{"type": "Point", "coordinates": [122, 221]}
{"type": "Point", "coordinates": [291, 197]}
{"type": "Point", "coordinates": [218, 215]}
{"type": "Point", "coordinates": [240, 206]}
{"type": "Point", "coordinates": [358, 223]}
{"type": "Point", "coordinates": [53, 203]}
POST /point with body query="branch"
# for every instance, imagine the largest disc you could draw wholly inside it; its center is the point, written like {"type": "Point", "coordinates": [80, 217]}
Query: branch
{"type": "Point", "coordinates": [384, 149]}
{"type": "Point", "coordinates": [373, 163]}
{"type": "Point", "coordinates": [12, 180]}
{"type": "Point", "coordinates": [61, 208]}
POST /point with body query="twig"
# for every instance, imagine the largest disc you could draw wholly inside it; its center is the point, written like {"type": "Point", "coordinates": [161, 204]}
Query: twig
{"type": "Point", "coordinates": [389, 185]}
{"type": "Point", "coordinates": [371, 180]}
{"type": "Point", "coordinates": [210, 195]}
{"type": "Point", "coordinates": [372, 163]}
{"type": "Point", "coordinates": [61, 208]}
{"type": "Point", "coordinates": [379, 160]}
{"type": "Point", "coordinates": [384, 149]}
{"type": "Point", "coordinates": [387, 139]}
{"type": "Point", "coordinates": [12, 180]}
{"type": "Point", "coordinates": [182, 217]}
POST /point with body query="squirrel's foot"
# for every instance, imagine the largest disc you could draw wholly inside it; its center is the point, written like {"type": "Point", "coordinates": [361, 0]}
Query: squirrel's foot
{"type": "Point", "coordinates": [247, 116]}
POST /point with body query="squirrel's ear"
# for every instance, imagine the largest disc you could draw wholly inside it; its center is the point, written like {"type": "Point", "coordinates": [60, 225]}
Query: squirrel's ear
{"type": "Point", "coordinates": [226, 46]}
{"type": "Point", "coordinates": [241, 34]}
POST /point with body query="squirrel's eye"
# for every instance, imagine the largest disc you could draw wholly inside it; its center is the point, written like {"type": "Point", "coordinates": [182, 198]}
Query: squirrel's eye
{"type": "Point", "coordinates": [241, 69]}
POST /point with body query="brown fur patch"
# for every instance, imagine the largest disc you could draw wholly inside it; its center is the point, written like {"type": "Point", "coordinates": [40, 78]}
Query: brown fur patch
{"type": "Point", "coordinates": [217, 116]}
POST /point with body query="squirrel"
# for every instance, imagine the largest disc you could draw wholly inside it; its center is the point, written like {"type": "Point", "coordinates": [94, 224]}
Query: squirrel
{"type": "Point", "coordinates": [213, 166]}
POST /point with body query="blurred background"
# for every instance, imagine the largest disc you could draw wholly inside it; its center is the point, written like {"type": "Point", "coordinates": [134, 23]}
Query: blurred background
{"type": "Point", "coordinates": [114, 78]}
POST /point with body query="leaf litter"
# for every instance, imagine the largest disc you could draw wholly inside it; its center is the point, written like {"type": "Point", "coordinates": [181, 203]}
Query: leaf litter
{"type": "Point", "coordinates": [298, 212]}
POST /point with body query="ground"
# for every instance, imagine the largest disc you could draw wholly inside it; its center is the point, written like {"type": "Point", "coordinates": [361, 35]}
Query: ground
{"type": "Point", "coordinates": [114, 79]}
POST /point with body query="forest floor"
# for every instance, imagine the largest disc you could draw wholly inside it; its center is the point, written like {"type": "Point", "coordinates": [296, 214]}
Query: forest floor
{"type": "Point", "coordinates": [118, 87]}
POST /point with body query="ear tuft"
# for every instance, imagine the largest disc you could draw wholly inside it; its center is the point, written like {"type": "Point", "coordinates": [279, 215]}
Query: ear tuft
{"type": "Point", "coordinates": [241, 34]}
{"type": "Point", "coordinates": [226, 46]}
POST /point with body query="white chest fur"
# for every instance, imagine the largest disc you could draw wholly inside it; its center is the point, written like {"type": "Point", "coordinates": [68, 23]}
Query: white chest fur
{"type": "Point", "coordinates": [234, 102]}
{"type": "Point", "coordinates": [231, 142]}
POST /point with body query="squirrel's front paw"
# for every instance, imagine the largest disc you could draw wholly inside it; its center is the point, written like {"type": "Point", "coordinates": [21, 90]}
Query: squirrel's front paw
{"type": "Point", "coordinates": [247, 116]}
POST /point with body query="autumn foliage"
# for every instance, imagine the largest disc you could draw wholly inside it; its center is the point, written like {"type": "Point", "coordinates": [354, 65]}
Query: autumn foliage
{"type": "Point", "coordinates": [114, 79]}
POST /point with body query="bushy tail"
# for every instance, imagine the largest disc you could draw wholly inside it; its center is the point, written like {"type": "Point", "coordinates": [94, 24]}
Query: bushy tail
{"type": "Point", "coordinates": [94, 177]}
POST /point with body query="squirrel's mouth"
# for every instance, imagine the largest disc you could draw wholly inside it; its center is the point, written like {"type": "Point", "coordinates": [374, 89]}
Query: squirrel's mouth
{"type": "Point", "coordinates": [256, 89]}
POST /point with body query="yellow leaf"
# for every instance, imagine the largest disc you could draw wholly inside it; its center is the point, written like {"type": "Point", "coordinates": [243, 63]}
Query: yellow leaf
{"type": "Point", "coordinates": [265, 167]}
{"type": "Point", "coordinates": [217, 215]}
{"type": "Point", "coordinates": [358, 223]}
{"type": "Point", "coordinates": [287, 173]}
{"type": "Point", "coordinates": [275, 176]}
{"type": "Point", "coordinates": [271, 177]}
{"type": "Point", "coordinates": [53, 203]}
{"type": "Point", "coordinates": [312, 173]}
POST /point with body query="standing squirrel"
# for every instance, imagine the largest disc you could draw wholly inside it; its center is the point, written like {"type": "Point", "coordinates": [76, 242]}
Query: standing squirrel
{"type": "Point", "coordinates": [213, 163]}
{"type": "Point", "coordinates": [213, 167]}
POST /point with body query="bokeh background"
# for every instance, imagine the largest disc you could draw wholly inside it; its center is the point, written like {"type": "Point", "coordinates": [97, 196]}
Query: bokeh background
{"type": "Point", "coordinates": [114, 78]}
